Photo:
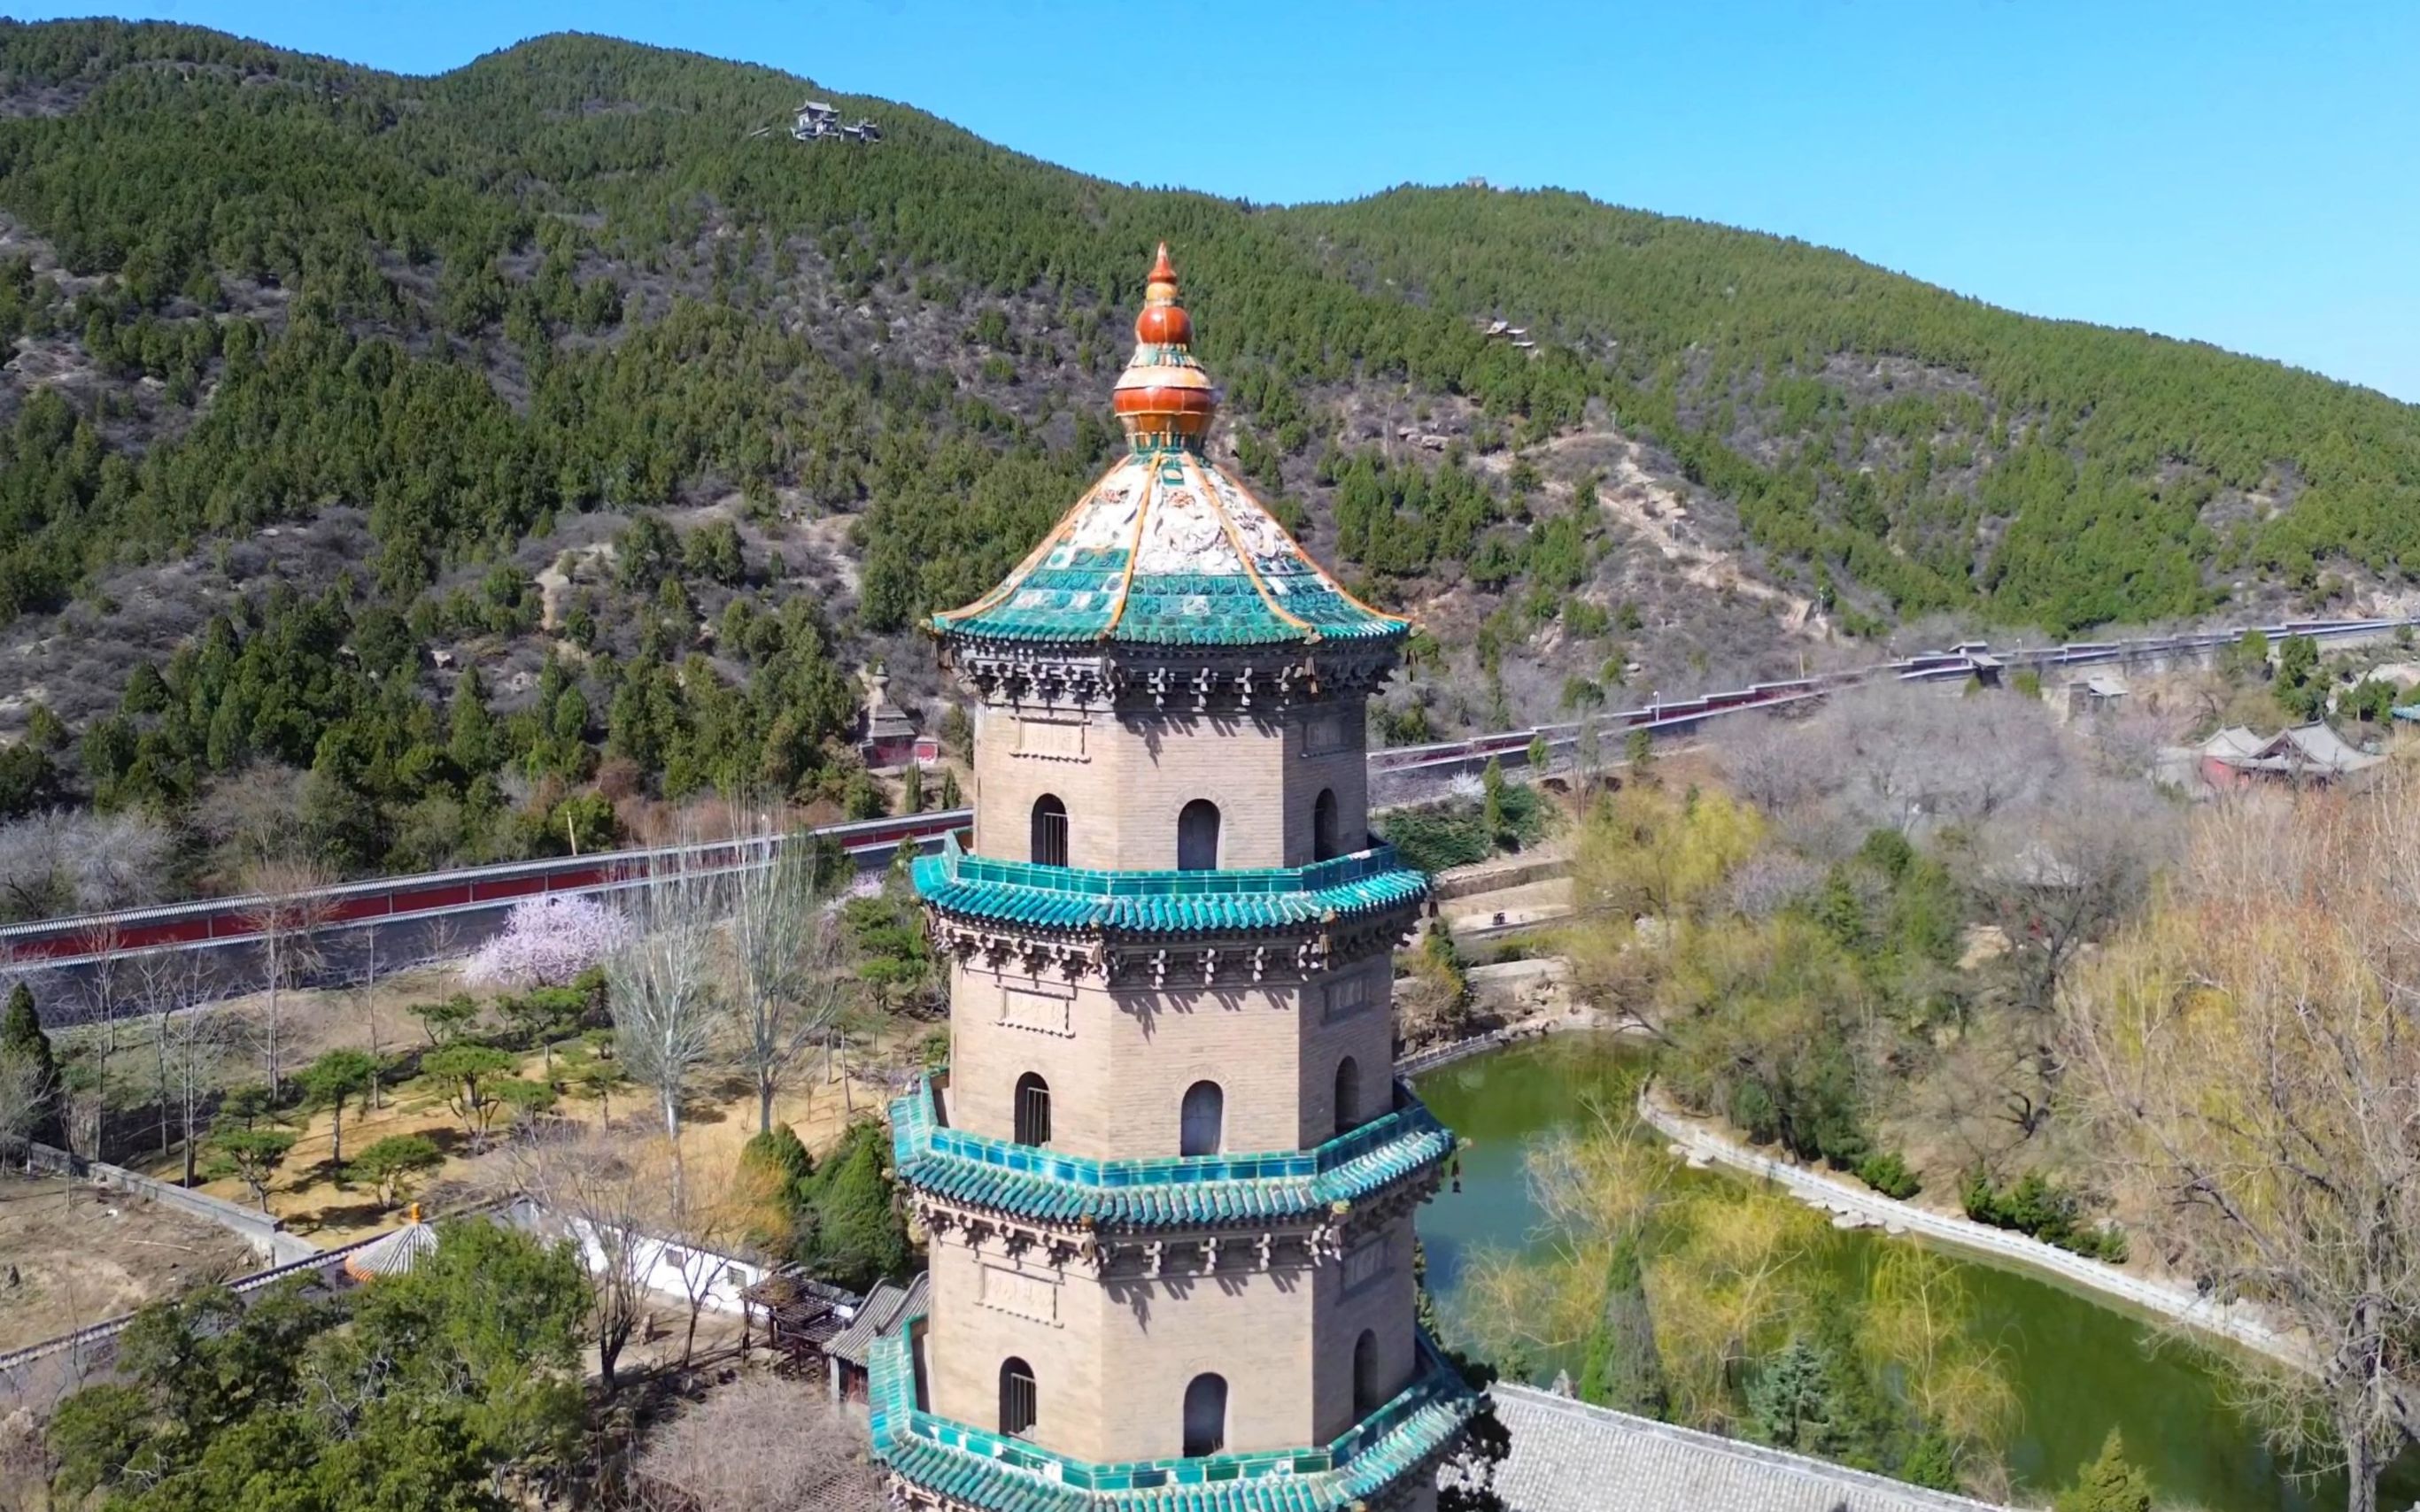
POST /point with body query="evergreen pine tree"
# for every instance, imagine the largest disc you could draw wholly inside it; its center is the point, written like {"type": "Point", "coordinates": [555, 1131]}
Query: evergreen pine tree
{"type": "Point", "coordinates": [1791, 1403]}
{"type": "Point", "coordinates": [778, 1161]}
{"type": "Point", "coordinates": [781, 1151]}
{"type": "Point", "coordinates": [472, 737]}
{"type": "Point", "coordinates": [1491, 813]}
{"type": "Point", "coordinates": [22, 1039]}
{"type": "Point", "coordinates": [2109, 1484]}
{"type": "Point", "coordinates": [859, 1236]}
{"type": "Point", "coordinates": [1930, 1462]}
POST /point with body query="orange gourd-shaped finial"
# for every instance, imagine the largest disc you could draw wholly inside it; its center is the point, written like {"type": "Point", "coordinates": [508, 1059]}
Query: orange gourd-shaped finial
{"type": "Point", "coordinates": [1163, 322]}
{"type": "Point", "coordinates": [1164, 398]}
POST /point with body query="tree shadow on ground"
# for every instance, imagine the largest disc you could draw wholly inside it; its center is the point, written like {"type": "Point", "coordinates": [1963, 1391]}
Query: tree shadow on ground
{"type": "Point", "coordinates": [339, 1215]}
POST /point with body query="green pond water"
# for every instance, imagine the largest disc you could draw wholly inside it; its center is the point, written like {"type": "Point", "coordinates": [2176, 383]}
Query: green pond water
{"type": "Point", "coordinates": [2079, 1367]}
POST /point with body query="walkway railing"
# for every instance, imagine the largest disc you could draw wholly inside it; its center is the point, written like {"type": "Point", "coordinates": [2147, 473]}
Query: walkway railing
{"type": "Point", "coordinates": [1839, 1195]}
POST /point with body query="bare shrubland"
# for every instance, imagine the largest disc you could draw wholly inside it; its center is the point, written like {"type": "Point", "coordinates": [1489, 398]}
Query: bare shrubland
{"type": "Point", "coordinates": [759, 1444]}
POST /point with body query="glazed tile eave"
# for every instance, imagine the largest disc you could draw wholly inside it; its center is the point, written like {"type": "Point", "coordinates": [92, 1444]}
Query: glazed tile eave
{"type": "Point", "coordinates": [973, 1467]}
{"type": "Point", "coordinates": [1166, 550]}
{"type": "Point", "coordinates": [1072, 900]}
{"type": "Point", "coordinates": [1044, 1186]}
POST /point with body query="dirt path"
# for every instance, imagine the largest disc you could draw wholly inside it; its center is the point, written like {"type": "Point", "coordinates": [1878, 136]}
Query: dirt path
{"type": "Point", "coordinates": [1656, 513]}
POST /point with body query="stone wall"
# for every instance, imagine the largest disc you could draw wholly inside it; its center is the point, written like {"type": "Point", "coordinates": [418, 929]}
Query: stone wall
{"type": "Point", "coordinates": [265, 1234]}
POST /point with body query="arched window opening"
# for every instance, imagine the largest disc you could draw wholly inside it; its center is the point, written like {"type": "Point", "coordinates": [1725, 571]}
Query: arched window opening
{"type": "Point", "coordinates": [1197, 837]}
{"type": "Point", "coordinates": [1205, 1120]}
{"type": "Point", "coordinates": [1348, 1094]}
{"type": "Point", "coordinates": [1049, 846]}
{"type": "Point", "coordinates": [1017, 1402]}
{"type": "Point", "coordinates": [1033, 1109]}
{"type": "Point", "coordinates": [1367, 1395]}
{"type": "Point", "coordinates": [1326, 844]}
{"type": "Point", "coordinates": [1205, 1416]}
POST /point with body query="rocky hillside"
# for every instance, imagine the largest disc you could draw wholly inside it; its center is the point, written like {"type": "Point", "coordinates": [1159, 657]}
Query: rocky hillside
{"type": "Point", "coordinates": [456, 449]}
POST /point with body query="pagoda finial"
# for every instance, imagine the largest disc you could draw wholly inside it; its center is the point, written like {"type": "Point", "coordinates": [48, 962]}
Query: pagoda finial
{"type": "Point", "coordinates": [1163, 322]}
{"type": "Point", "coordinates": [1164, 398]}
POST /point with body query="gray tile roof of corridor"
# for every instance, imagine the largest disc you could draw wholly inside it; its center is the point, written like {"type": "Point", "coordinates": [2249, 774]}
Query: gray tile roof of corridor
{"type": "Point", "coordinates": [1569, 1457]}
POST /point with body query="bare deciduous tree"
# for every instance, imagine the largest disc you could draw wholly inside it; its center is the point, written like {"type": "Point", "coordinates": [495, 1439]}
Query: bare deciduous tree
{"type": "Point", "coordinates": [365, 995]}
{"type": "Point", "coordinates": [250, 817]}
{"type": "Point", "coordinates": [598, 1188]}
{"type": "Point", "coordinates": [102, 997]}
{"type": "Point", "coordinates": [166, 982]}
{"type": "Point", "coordinates": [787, 988]}
{"type": "Point", "coordinates": [2252, 1064]}
{"type": "Point", "coordinates": [71, 861]}
{"type": "Point", "coordinates": [288, 904]}
{"type": "Point", "coordinates": [660, 992]}
{"type": "Point", "coordinates": [1769, 882]}
{"type": "Point", "coordinates": [194, 1044]}
{"type": "Point", "coordinates": [759, 1444]}
{"type": "Point", "coordinates": [1902, 757]}
{"type": "Point", "coordinates": [2062, 872]}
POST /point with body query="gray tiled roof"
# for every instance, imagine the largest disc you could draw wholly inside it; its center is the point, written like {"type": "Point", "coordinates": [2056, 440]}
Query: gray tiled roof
{"type": "Point", "coordinates": [884, 1306]}
{"type": "Point", "coordinates": [1569, 1457]}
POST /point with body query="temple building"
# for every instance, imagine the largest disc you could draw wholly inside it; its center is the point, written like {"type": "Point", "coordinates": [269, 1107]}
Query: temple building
{"type": "Point", "coordinates": [1169, 1178]}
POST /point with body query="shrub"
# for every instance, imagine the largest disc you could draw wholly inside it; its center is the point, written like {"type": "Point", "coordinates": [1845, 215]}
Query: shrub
{"type": "Point", "coordinates": [1435, 837]}
{"type": "Point", "coordinates": [780, 1152]}
{"type": "Point", "coordinates": [1888, 1173]}
{"type": "Point", "coordinates": [2039, 1207]}
{"type": "Point", "coordinates": [855, 1233]}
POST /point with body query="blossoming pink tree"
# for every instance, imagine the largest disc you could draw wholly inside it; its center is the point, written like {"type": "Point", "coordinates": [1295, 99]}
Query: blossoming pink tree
{"type": "Point", "coordinates": [547, 942]}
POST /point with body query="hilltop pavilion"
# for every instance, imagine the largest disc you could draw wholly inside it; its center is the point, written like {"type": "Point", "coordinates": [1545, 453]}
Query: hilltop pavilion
{"type": "Point", "coordinates": [1170, 1176]}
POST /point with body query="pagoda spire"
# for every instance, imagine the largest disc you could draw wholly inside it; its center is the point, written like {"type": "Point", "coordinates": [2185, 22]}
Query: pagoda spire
{"type": "Point", "coordinates": [1164, 399]}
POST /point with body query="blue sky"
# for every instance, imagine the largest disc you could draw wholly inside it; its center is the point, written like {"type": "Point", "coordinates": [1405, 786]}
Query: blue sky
{"type": "Point", "coordinates": [2246, 174]}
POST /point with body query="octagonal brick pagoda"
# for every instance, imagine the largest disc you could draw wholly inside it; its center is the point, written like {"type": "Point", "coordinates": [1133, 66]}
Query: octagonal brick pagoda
{"type": "Point", "coordinates": [1170, 1176]}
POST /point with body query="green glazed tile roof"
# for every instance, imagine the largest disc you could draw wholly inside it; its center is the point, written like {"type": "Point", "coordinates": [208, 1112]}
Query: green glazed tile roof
{"type": "Point", "coordinates": [1176, 903]}
{"type": "Point", "coordinates": [999, 1474]}
{"type": "Point", "coordinates": [1178, 1191]}
{"type": "Point", "coordinates": [1167, 550]}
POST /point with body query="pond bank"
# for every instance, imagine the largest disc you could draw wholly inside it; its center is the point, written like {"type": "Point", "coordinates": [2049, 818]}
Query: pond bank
{"type": "Point", "coordinates": [2077, 1365]}
{"type": "Point", "coordinates": [1701, 1141]}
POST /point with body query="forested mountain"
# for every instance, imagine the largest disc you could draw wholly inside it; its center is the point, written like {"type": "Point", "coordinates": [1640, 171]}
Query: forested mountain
{"type": "Point", "coordinates": [463, 443]}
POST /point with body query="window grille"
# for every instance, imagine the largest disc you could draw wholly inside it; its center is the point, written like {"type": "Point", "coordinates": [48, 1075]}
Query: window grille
{"type": "Point", "coordinates": [1049, 831]}
{"type": "Point", "coordinates": [1033, 1110]}
{"type": "Point", "coordinates": [1017, 1399]}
